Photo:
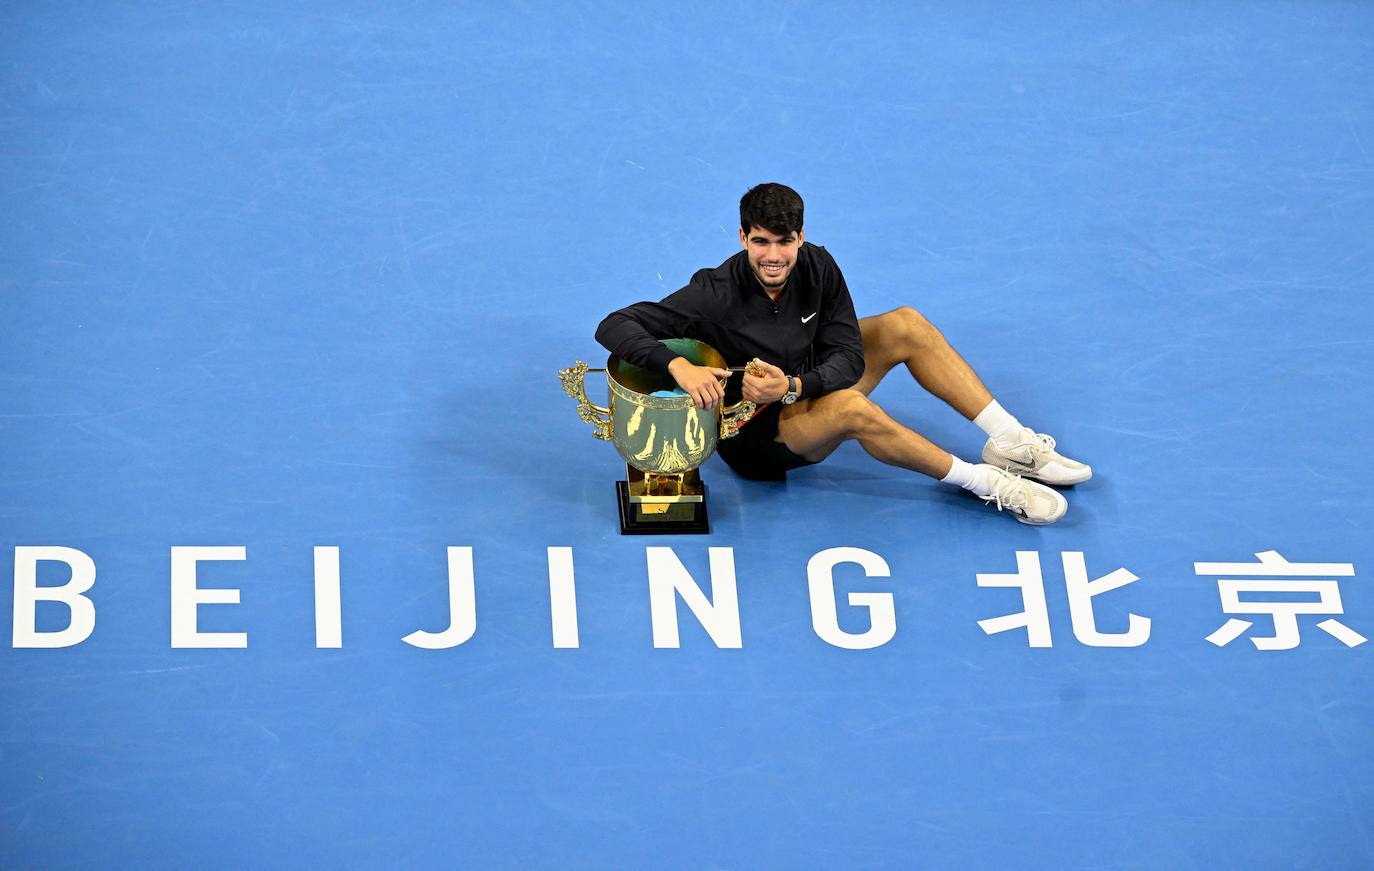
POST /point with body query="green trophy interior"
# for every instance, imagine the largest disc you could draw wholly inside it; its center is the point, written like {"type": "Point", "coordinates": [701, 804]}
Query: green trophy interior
{"type": "Point", "coordinates": [647, 381]}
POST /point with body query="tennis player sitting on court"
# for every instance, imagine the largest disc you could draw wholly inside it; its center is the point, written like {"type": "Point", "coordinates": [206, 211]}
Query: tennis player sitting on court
{"type": "Point", "coordinates": [784, 302]}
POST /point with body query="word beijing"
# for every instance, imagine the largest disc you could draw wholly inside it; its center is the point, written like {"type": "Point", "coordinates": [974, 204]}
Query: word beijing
{"type": "Point", "coordinates": [718, 614]}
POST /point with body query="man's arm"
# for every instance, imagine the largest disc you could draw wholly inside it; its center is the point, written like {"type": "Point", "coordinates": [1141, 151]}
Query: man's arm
{"type": "Point", "coordinates": [838, 346]}
{"type": "Point", "coordinates": [633, 334]}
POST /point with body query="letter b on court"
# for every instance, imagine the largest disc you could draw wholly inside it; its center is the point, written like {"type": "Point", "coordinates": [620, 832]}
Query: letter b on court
{"type": "Point", "coordinates": [27, 595]}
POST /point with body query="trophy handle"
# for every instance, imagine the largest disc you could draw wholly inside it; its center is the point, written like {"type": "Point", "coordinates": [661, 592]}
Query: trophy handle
{"type": "Point", "coordinates": [574, 380]}
{"type": "Point", "coordinates": [734, 417]}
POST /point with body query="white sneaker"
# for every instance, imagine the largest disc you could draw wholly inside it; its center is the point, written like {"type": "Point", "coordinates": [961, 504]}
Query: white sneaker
{"type": "Point", "coordinates": [1027, 501]}
{"type": "Point", "coordinates": [1034, 457]}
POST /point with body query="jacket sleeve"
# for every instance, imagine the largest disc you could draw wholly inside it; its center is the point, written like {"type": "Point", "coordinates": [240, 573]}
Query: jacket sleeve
{"type": "Point", "coordinates": [838, 349]}
{"type": "Point", "coordinates": [633, 332]}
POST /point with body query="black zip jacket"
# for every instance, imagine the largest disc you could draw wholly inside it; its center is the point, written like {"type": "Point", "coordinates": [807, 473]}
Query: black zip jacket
{"type": "Point", "coordinates": [810, 330]}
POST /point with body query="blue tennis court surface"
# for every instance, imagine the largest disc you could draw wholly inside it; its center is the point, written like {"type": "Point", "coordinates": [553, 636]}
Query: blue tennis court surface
{"type": "Point", "coordinates": [279, 279]}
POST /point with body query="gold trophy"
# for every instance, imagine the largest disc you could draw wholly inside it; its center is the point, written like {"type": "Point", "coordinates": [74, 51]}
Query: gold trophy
{"type": "Point", "coordinates": [663, 439]}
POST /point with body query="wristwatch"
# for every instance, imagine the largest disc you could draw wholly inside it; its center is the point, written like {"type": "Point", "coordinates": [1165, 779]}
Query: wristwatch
{"type": "Point", "coordinates": [791, 395]}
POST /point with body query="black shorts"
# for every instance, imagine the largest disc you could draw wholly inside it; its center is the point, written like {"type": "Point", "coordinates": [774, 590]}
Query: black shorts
{"type": "Point", "coordinates": [754, 452]}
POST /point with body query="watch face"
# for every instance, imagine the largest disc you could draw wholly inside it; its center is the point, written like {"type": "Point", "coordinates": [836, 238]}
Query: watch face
{"type": "Point", "coordinates": [789, 398]}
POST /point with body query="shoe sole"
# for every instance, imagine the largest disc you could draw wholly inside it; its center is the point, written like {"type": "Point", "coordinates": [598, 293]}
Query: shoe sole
{"type": "Point", "coordinates": [1029, 522]}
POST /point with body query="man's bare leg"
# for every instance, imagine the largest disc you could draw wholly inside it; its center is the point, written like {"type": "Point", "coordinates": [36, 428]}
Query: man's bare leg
{"type": "Point", "coordinates": [813, 428]}
{"type": "Point", "coordinates": [905, 336]}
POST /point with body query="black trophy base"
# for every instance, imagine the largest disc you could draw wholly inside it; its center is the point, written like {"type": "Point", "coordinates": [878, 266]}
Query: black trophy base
{"type": "Point", "coordinates": [682, 518]}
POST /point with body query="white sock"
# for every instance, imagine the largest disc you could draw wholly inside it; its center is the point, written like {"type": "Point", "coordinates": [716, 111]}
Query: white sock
{"type": "Point", "coordinates": [973, 478]}
{"type": "Point", "coordinates": [1000, 426]}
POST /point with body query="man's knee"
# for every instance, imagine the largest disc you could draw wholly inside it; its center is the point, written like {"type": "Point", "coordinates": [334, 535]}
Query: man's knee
{"type": "Point", "coordinates": [914, 327]}
{"type": "Point", "coordinates": [855, 413]}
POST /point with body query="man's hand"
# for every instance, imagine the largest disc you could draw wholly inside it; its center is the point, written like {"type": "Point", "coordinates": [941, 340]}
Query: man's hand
{"type": "Point", "coordinates": [764, 382]}
{"type": "Point", "coordinates": [705, 384]}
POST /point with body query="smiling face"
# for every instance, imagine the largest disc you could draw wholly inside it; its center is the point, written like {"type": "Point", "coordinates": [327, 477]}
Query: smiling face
{"type": "Point", "coordinates": [771, 256]}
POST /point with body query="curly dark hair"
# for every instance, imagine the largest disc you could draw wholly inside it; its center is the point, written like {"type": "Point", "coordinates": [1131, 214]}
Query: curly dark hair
{"type": "Point", "coordinates": [774, 207]}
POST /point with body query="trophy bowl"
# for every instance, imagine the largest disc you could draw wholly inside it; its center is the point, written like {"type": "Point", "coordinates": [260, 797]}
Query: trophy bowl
{"type": "Point", "coordinates": [662, 438]}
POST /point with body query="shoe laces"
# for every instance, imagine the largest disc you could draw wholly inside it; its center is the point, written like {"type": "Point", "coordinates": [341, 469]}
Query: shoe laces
{"type": "Point", "coordinates": [1009, 492]}
{"type": "Point", "coordinates": [1038, 444]}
